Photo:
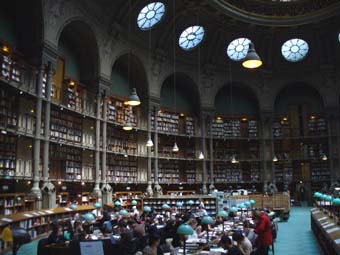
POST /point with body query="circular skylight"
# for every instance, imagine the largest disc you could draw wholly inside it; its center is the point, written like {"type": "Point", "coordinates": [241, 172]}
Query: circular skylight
{"type": "Point", "coordinates": [294, 50]}
{"type": "Point", "coordinates": [191, 37]}
{"type": "Point", "coordinates": [150, 15]}
{"type": "Point", "coordinates": [238, 49]}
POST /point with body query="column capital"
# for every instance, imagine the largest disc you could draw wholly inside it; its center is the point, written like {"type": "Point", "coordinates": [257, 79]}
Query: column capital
{"type": "Point", "coordinates": [104, 85]}
{"type": "Point", "coordinates": [49, 55]}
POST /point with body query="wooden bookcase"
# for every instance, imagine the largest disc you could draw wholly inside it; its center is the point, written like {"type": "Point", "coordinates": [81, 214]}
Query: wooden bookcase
{"type": "Point", "coordinates": [8, 145]}
{"type": "Point", "coordinates": [62, 199]}
{"type": "Point", "coordinates": [128, 196]}
{"type": "Point", "coordinates": [122, 169]}
{"type": "Point", "coordinates": [8, 109]}
{"type": "Point", "coordinates": [210, 203]}
{"type": "Point", "coordinates": [12, 203]}
{"type": "Point", "coordinates": [118, 112]}
{"type": "Point", "coordinates": [121, 141]}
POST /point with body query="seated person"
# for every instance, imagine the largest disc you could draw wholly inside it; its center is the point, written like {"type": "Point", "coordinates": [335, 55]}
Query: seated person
{"type": "Point", "coordinates": [153, 247]}
{"type": "Point", "coordinates": [79, 233]}
{"type": "Point", "coordinates": [192, 222]}
{"type": "Point", "coordinates": [57, 235]}
{"type": "Point", "coordinates": [249, 232]}
{"type": "Point", "coordinates": [227, 244]}
{"type": "Point", "coordinates": [243, 243]}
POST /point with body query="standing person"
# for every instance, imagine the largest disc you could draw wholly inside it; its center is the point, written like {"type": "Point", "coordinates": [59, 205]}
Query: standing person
{"type": "Point", "coordinates": [264, 233]}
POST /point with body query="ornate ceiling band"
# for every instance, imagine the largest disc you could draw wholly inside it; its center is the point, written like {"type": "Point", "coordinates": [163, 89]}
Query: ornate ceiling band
{"type": "Point", "coordinates": [269, 13]}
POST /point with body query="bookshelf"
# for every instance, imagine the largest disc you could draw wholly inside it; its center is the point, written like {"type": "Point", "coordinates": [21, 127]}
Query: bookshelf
{"type": "Point", "coordinates": [8, 144]}
{"type": "Point", "coordinates": [121, 141]}
{"type": "Point", "coordinates": [8, 112]}
{"type": "Point", "coordinates": [62, 199]}
{"type": "Point", "coordinates": [283, 171]}
{"type": "Point", "coordinates": [320, 171]}
{"type": "Point", "coordinates": [121, 169]}
{"type": "Point", "coordinates": [12, 203]}
{"type": "Point", "coordinates": [210, 203]}
{"type": "Point", "coordinates": [186, 147]}
{"type": "Point", "coordinates": [119, 113]}
{"type": "Point", "coordinates": [65, 127]}
{"type": "Point", "coordinates": [236, 127]}
{"type": "Point", "coordinates": [127, 197]}
{"type": "Point", "coordinates": [10, 69]}
{"type": "Point", "coordinates": [173, 123]}
{"type": "Point", "coordinates": [65, 162]}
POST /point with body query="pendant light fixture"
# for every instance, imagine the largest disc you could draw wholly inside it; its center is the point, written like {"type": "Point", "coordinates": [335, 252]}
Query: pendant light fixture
{"type": "Point", "coordinates": [175, 147]}
{"type": "Point", "coordinates": [201, 156]}
{"type": "Point", "coordinates": [233, 160]}
{"type": "Point", "coordinates": [252, 59]}
{"type": "Point", "coordinates": [275, 159]}
{"type": "Point", "coordinates": [134, 98]}
{"type": "Point", "coordinates": [324, 157]}
{"type": "Point", "coordinates": [149, 142]}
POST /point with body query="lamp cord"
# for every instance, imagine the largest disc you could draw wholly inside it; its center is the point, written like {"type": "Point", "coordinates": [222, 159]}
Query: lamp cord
{"type": "Point", "coordinates": [174, 56]}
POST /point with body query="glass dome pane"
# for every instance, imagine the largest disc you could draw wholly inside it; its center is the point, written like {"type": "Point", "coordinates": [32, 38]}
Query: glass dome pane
{"type": "Point", "coordinates": [191, 37]}
{"type": "Point", "coordinates": [238, 49]}
{"type": "Point", "coordinates": [150, 15]}
{"type": "Point", "coordinates": [294, 50]}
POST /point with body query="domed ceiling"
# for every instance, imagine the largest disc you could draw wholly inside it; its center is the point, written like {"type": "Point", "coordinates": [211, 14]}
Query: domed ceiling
{"type": "Point", "coordinates": [268, 24]}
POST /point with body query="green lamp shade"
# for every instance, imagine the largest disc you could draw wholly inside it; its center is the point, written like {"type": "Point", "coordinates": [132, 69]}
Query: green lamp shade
{"type": "Point", "coordinates": [222, 214]}
{"type": "Point", "coordinates": [190, 202]}
{"type": "Point", "coordinates": [97, 205]}
{"type": "Point", "coordinates": [252, 201]}
{"type": "Point", "coordinates": [89, 217]}
{"type": "Point", "coordinates": [123, 212]}
{"type": "Point", "coordinates": [336, 201]}
{"type": "Point", "coordinates": [317, 194]}
{"type": "Point", "coordinates": [147, 209]}
{"type": "Point", "coordinates": [185, 229]}
{"type": "Point", "coordinates": [241, 206]}
{"type": "Point", "coordinates": [165, 206]}
{"type": "Point", "coordinates": [247, 204]}
{"type": "Point", "coordinates": [134, 202]}
{"type": "Point", "coordinates": [329, 198]}
{"type": "Point", "coordinates": [233, 209]}
{"type": "Point", "coordinates": [324, 197]}
{"type": "Point", "coordinates": [179, 204]}
{"type": "Point", "coordinates": [207, 220]}
{"type": "Point", "coordinates": [73, 207]}
{"type": "Point", "coordinates": [117, 203]}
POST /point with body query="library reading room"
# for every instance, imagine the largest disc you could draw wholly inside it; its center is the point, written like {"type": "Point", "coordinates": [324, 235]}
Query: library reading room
{"type": "Point", "coordinates": [170, 127]}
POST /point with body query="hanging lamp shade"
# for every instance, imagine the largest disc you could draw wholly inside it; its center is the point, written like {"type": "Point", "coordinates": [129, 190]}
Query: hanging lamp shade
{"type": "Point", "coordinates": [123, 212]}
{"type": "Point", "coordinates": [185, 229]}
{"type": "Point", "coordinates": [201, 156]}
{"type": "Point", "coordinates": [149, 142]}
{"type": "Point", "coordinates": [233, 160]}
{"type": "Point", "coordinates": [117, 203]}
{"type": "Point", "coordinates": [275, 159]}
{"type": "Point", "coordinates": [324, 157]}
{"type": "Point", "coordinates": [134, 98]}
{"type": "Point", "coordinates": [207, 220]}
{"type": "Point", "coordinates": [134, 202]}
{"type": "Point", "coordinates": [127, 126]}
{"type": "Point", "coordinates": [252, 60]}
{"type": "Point", "coordinates": [222, 214]}
{"type": "Point", "coordinates": [175, 148]}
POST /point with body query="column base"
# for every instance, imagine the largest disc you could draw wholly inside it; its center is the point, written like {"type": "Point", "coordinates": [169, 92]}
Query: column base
{"type": "Point", "coordinates": [158, 190]}
{"type": "Point", "coordinates": [149, 190]}
{"type": "Point", "coordinates": [106, 194]}
{"type": "Point", "coordinates": [97, 193]}
{"type": "Point", "coordinates": [36, 195]}
{"type": "Point", "coordinates": [204, 189]}
{"type": "Point", "coordinates": [48, 196]}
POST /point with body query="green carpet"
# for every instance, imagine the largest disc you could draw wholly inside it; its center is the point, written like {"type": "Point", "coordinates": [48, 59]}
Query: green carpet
{"type": "Point", "coordinates": [295, 236]}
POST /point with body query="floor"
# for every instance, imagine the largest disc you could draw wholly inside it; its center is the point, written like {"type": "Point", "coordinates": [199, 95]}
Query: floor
{"type": "Point", "coordinates": [294, 237]}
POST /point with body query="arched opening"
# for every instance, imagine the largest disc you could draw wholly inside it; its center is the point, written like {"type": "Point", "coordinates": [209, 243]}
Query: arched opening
{"type": "Point", "coordinates": [300, 135]}
{"type": "Point", "coordinates": [236, 129]}
{"type": "Point", "coordinates": [79, 54]}
{"type": "Point", "coordinates": [127, 73]}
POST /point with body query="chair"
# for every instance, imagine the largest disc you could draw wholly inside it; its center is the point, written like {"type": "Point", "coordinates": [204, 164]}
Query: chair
{"type": "Point", "coordinates": [42, 250]}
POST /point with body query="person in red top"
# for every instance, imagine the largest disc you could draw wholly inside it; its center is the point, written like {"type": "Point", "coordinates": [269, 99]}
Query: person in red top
{"type": "Point", "coordinates": [264, 233]}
